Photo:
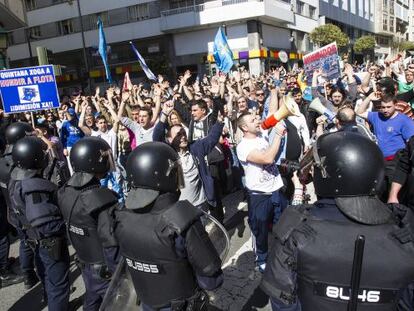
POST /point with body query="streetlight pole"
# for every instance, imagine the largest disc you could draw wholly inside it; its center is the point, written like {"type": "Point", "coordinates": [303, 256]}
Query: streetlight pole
{"type": "Point", "coordinates": [29, 45]}
{"type": "Point", "coordinates": [85, 58]}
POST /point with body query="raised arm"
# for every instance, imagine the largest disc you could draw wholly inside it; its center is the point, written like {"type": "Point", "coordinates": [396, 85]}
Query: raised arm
{"type": "Point", "coordinates": [86, 130]}
{"type": "Point", "coordinates": [362, 109]}
{"type": "Point", "coordinates": [268, 156]}
{"type": "Point", "coordinates": [157, 101]}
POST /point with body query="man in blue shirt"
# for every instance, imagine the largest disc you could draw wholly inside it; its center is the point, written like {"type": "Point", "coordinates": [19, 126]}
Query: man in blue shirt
{"type": "Point", "coordinates": [71, 133]}
{"type": "Point", "coordinates": [392, 129]}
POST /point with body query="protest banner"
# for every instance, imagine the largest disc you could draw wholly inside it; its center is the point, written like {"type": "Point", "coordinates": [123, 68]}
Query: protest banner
{"type": "Point", "coordinates": [325, 58]}
{"type": "Point", "coordinates": [28, 89]}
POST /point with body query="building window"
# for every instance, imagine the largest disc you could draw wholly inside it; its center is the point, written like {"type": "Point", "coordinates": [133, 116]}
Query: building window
{"type": "Point", "coordinates": [299, 7]}
{"type": "Point", "coordinates": [30, 5]}
{"type": "Point", "coordinates": [382, 40]}
{"type": "Point", "coordinates": [10, 39]}
{"type": "Point", "coordinates": [385, 22]}
{"type": "Point", "coordinates": [391, 7]}
{"type": "Point", "coordinates": [385, 4]}
{"type": "Point", "coordinates": [138, 12]}
{"type": "Point", "coordinates": [93, 20]}
{"type": "Point", "coordinates": [392, 24]}
{"type": "Point", "coordinates": [312, 12]}
{"type": "Point", "coordinates": [66, 27]}
{"type": "Point", "coordinates": [35, 32]}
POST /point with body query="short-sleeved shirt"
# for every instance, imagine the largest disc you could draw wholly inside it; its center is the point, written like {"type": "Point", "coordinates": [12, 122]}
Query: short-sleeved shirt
{"type": "Point", "coordinates": [392, 133]}
{"type": "Point", "coordinates": [141, 135]}
{"type": "Point", "coordinates": [259, 177]}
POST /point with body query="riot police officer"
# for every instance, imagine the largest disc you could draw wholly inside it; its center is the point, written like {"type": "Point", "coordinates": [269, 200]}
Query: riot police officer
{"type": "Point", "coordinates": [33, 199]}
{"type": "Point", "coordinates": [14, 132]}
{"type": "Point", "coordinates": [86, 207]}
{"type": "Point", "coordinates": [312, 257]}
{"type": "Point", "coordinates": [166, 248]}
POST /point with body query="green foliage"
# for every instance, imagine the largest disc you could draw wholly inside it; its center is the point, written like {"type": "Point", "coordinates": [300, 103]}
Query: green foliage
{"type": "Point", "coordinates": [364, 43]}
{"type": "Point", "coordinates": [406, 45]}
{"type": "Point", "coordinates": [329, 33]}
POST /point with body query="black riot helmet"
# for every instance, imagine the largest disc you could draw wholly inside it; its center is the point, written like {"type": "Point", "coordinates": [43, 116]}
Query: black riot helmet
{"type": "Point", "coordinates": [347, 164]}
{"type": "Point", "coordinates": [16, 131]}
{"type": "Point", "coordinates": [29, 153]}
{"type": "Point", "coordinates": [152, 168]}
{"type": "Point", "coordinates": [91, 155]}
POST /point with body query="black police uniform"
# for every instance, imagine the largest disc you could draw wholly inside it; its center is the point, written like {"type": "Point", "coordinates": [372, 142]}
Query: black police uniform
{"type": "Point", "coordinates": [311, 261]}
{"type": "Point", "coordinates": [168, 253]}
{"type": "Point", "coordinates": [13, 133]}
{"type": "Point", "coordinates": [162, 266]}
{"type": "Point", "coordinates": [33, 200]}
{"type": "Point", "coordinates": [86, 208]}
{"type": "Point", "coordinates": [404, 173]}
{"type": "Point", "coordinates": [312, 256]}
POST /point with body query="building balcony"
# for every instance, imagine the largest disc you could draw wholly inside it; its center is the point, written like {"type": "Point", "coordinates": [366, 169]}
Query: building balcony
{"type": "Point", "coordinates": [12, 14]}
{"type": "Point", "coordinates": [218, 12]}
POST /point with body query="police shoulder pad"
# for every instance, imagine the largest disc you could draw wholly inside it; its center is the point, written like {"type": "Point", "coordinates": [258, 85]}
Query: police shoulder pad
{"type": "Point", "coordinates": [37, 185]}
{"type": "Point", "coordinates": [291, 218]}
{"type": "Point", "coordinates": [98, 198]}
{"type": "Point", "coordinates": [181, 216]}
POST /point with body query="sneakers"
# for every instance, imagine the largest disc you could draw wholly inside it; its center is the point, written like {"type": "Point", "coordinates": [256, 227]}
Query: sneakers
{"type": "Point", "coordinates": [8, 278]}
{"type": "Point", "coordinates": [30, 279]}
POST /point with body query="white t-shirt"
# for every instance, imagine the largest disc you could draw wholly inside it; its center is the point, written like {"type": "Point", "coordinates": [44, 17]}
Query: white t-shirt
{"type": "Point", "coordinates": [193, 190]}
{"type": "Point", "coordinates": [141, 135]}
{"type": "Point", "coordinates": [259, 177]}
{"type": "Point", "coordinates": [110, 137]}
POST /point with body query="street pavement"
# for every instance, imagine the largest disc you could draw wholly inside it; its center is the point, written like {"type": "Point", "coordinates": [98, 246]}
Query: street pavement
{"type": "Point", "coordinates": [240, 290]}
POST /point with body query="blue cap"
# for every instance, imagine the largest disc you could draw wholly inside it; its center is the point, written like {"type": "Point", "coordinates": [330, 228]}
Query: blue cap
{"type": "Point", "coordinates": [72, 112]}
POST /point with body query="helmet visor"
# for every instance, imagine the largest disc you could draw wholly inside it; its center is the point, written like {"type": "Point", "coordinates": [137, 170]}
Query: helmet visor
{"type": "Point", "coordinates": [176, 165]}
{"type": "Point", "coordinates": [108, 156]}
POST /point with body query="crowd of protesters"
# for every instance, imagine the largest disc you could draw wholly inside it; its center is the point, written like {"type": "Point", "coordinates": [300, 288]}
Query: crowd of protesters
{"type": "Point", "coordinates": [214, 123]}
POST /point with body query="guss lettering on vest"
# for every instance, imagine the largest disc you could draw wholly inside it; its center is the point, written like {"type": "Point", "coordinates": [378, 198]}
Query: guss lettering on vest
{"type": "Point", "coordinates": [143, 267]}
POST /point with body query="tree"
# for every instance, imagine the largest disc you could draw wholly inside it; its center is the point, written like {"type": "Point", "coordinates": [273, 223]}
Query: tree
{"type": "Point", "coordinates": [364, 44]}
{"type": "Point", "coordinates": [328, 33]}
{"type": "Point", "coordinates": [406, 45]}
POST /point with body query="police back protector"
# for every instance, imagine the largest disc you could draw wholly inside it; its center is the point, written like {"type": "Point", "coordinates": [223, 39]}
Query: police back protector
{"type": "Point", "coordinates": [6, 166]}
{"type": "Point", "coordinates": [325, 250]}
{"type": "Point", "coordinates": [33, 202]}
{"type": "Point", "coordinates": [146, 240]}
{"type": "Point", "coordinates": [80, 207]}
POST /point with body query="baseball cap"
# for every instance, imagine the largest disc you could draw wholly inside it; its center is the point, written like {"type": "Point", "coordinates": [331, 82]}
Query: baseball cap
{"type": "Point", "coordinates": [71, 112]}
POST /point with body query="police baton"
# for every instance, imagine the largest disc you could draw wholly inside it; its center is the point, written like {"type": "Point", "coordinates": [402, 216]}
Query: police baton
{"type": "Point", "coordinates": [356, 272]}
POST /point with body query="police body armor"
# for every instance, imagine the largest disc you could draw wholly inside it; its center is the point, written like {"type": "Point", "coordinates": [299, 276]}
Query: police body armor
{"type": "Point", "coordinates": [6, 166]}
{"type": "Point", "coordinates": [146, 240]}
{"type": "Point", "coordinates": [33, 203]}
{"type": "Point", "coordinates": [78, 202]}
{"type": "Point", "coordinates": [325, 251]}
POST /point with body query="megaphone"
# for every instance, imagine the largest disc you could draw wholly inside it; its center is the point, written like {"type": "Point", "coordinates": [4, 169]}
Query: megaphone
{"type": "Point", "coordinates": [288, 108]}
{"type": "Point", "coordinates": [317, 106]}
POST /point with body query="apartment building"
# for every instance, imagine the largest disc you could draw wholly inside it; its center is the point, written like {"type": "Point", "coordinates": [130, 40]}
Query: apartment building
{"type": "Point", "coordinates": [391, 25]}
{"type": "Point", "coordinates": [12, 16]}
{"type": "Point", "coordinates": [410, 30]}
{"type": "Point", "coordinates": [354, 17]}
{"type": "Point", "coordinates": [177, 34]}
{"type": "Point", "coordinates": [171, 35]}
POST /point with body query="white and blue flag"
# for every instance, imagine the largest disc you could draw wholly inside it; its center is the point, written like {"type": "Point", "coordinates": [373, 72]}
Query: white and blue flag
{"type": "Point", "coordinates": [144, 66]}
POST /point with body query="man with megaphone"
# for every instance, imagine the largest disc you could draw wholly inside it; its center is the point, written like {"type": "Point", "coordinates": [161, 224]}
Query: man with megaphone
{"type": "Point", "coordinates": [257, 153]}
{"type": "Point", "coordinates": [263, 181]}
